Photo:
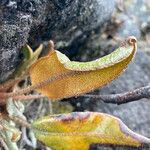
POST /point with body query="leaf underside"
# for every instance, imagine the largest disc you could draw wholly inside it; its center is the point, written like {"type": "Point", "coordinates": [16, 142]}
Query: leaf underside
{"type": "Point", "coordinates": [80, 130]}
{"type": "Point", "coordinates": [84, 76]}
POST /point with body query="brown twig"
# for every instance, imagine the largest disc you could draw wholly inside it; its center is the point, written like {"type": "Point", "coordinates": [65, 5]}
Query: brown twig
{"type": "Point", "coordinates": [28, 89]}
{"type": "Point", "coordinates": [122, 98]}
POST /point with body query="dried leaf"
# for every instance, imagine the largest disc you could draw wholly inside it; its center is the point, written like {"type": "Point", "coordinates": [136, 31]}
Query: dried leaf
{"type": "Point", "coordinates": [79, 130]}
{"type": "Point", "coordinates": [76, 78]}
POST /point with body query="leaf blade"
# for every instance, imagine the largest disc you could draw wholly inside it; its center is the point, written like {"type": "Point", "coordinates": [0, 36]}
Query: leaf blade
{"type": "Point", "coordinates": [86, 76]}
{"type": "Point", "coordinates": [80, 130]}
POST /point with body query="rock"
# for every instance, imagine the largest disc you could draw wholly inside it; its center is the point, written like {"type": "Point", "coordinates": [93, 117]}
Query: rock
{"type": "Point", "coordinates": [143, 13]}
{"type": "Point", "coordinates": [33, 22]}
{"type": "Point", "coordinates": [134, 18]}
{"type": "Point", "coordinates": [129, 26]}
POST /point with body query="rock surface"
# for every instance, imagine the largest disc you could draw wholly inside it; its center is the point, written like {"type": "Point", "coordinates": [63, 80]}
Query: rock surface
{"type": "Point", "coordinates": [135, 17]}
{"type": "Point", "coordinates": [32, 21]}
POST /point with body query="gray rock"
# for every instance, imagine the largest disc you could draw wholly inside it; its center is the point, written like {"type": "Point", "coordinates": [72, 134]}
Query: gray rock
{"type": "Point", "coordinates": [32, 21]}
{"type": "Point", "coordinates": [135, 18]}
{"type": "Point", "coordinates": [128, 27]}
{"type": "Point", "coordinates": [140, 9]}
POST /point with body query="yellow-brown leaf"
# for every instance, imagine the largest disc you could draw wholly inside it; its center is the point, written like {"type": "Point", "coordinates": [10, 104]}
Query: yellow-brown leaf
{"type": "Point", "coordinates": [80, 77]}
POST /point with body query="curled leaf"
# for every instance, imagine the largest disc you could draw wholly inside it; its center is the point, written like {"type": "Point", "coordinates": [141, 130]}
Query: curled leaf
{"type": "Point", "coordinates": [29, 58]}
{"type": "Point", "coordinates": [80, 130]}
{"type": "Point", "coordinates": [77, 78]}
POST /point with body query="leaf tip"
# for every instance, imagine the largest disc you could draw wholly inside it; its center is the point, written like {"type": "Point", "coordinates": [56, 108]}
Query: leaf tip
{"type": "Point", "coordinates": [144, 142]}
{"type": "Point", "coordinates": [132, 40]}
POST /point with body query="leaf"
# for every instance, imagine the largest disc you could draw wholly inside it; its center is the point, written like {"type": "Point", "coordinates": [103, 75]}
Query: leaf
{"type": "Point", "coordinates": [30, 57]}
{"type": "Point", "coordinates": [80, 130]}
{"type": "Point", "coordinates": [72, 78]}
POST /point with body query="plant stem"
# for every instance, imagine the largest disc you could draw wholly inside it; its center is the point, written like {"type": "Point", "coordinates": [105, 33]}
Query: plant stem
{"type": "Point", "coordinates": [39, 85]}
{"type": "Point", "coordinates": [122, 98]}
